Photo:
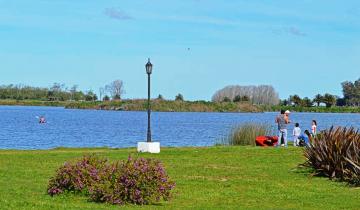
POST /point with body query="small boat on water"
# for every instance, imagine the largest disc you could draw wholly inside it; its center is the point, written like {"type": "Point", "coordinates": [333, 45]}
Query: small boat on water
{"type": "Point", "coordinates": [266, 141]}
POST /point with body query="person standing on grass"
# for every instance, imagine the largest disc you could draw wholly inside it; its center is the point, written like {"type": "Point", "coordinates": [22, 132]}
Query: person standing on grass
{"type": "Point", "coordinates": [282, 120]}
{"type": "Point", "coordinates": [296, 134]}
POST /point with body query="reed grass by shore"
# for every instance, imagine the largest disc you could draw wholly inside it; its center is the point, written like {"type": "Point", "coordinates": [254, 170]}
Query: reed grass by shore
{"type": "Point", "coordinates": [245, 134]}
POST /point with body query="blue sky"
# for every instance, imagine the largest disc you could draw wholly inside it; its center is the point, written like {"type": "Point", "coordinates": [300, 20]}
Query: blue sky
{"type": "Point", "coordinates": [196, 46]}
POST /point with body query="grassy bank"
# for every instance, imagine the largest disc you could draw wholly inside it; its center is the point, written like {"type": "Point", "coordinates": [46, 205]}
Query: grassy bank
{"type": "Point", "coordinates": [9, 102]}
{"type": "Point", "coordinates": [141, 105]}
{"type": "Point", "coordinates": [167, 106]}
{"type": "Point", "coordinates": [207, 178]}
{"type": "Point", "coordinates": [177, 106]}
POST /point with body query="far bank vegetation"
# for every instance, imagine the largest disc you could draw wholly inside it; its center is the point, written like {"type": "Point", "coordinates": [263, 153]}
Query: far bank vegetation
{"type": "Point", "coordinates": [259, 95]}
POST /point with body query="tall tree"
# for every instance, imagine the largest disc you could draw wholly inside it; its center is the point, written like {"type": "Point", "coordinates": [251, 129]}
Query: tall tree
{"type": "Point", "coordinates": [237, 98]}
{"type": "Point", "coordinates": [306, 102]}
{"type": "Point", "coordinates": [179, 97]}
{"type": "Point", "coordinates": [56, 89]}
{"type": "Point", "coordinates": [90, 96]}
{"type": "Point", "coordinates": [101, 93]}
{"type": "Point", "coordinates": [116, 89]}
{"type": "Point", "coordinates": [160, 97]}
{"type": "Point", "coordinates": [329, 100]}
{"type": "Point", "coordinates": [318, 99]}
{"type": "Point", "coordinates": [351, 91]}
{"type": "Point", "coordinates": [296, 100]}
{"type": "Point", "coordinates": [73, 90]}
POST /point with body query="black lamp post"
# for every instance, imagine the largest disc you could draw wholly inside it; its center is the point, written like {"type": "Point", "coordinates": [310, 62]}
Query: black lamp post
{"type": "Point", "coordinates": [148, 68]}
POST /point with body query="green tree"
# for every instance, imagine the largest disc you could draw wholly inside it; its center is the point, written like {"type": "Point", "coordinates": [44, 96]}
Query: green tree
{"type": "Point", "coordinates": [284, 102]}
{"type": "Point", "coordinates": [226, 99]}
{"type": "Point", "coordinates": [106, 98]}
{"type": "Point", "coordinates": [295, 99]}
{"type": "Point", "coordinates": [90, 96]}
{"type": "Point", "coordinates": [116, 97]}
{"type": "Point", "coordinates": [245, 98]}
{"type": "Point", "coordinates": [160, 97]}
{"type": "Point", "coordinates": [329, 100]}
{"type": "Point", "coordinates": [237, 98]}
{"type": "Point", "coordinates": [306, 102]}
{"type": "Point", "coordinates": [351, 91]}
{"type": "Point", "coordinates": [179, 97]}
{"type": "Point", "coordinates": [318, 99]}
{"type": "Point", "coordinates": [340, 102]}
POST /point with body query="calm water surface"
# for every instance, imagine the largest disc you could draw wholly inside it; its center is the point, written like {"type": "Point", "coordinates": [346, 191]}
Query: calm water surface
{"type": "Point", "coordinates": [19, 127]}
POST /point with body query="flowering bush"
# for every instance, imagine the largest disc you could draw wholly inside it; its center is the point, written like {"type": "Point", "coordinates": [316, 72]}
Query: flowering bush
{"type": "Point", "coordinates": [77, 176]}
{"type": "Point", "coordinates": [136, 180]}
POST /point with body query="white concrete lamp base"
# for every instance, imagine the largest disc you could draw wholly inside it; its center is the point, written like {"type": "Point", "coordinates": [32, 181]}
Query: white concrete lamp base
{"type": "Point", "coordinates": [151, 147]}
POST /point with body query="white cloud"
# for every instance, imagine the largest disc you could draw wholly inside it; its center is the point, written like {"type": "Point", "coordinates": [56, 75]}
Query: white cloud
{"type": "Point", "coordinates": [116, 14]}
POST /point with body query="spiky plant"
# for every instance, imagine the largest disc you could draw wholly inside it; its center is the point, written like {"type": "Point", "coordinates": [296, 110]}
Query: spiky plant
{"type": "Point", "coordinates": [335, 153]}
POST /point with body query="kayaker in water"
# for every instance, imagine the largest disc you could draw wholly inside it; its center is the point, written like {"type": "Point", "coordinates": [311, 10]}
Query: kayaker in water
{"type": "Point", "coordinates": [42, 119]}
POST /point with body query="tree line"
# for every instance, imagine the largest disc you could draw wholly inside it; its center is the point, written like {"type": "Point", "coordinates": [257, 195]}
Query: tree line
{"type": "Point", "coordinates": [295, 100]}
{"type": "Point", "coordinates": [351, 97]}
{"type": "Point", "coordinates": [60, 92]}
{"type": "Point", "coordinates": [261, 95]}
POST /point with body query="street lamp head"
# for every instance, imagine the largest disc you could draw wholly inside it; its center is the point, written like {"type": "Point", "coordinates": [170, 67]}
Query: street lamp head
{"type": "Point", "coordinates": [148, 67]}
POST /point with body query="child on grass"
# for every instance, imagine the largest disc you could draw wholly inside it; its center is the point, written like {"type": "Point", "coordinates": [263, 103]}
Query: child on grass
{"type": "Point", "coordinates": [296, 134]}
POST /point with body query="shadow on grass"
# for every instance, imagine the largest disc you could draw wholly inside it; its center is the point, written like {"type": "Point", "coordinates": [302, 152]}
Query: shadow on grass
{"type": "Point", "coordinates": [309, 172]}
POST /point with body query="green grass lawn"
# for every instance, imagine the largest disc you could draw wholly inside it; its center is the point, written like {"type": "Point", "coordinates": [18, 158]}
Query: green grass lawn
{"type": "Point", "coordinates": [207, 178]}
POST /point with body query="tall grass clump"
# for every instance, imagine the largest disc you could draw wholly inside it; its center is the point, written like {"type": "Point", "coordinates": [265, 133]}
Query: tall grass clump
{"type": "Point", "coordinates": [246, 134]}
{"type": "Point", "coordinates": [335, 153]}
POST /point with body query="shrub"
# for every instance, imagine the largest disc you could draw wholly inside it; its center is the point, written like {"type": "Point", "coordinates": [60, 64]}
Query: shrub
{"type": "Point", "coordinates": [179, 97]}
{"type": "Point", "coordinates": [160, 97]}
{"type": "Point", "coordinates": [245, 134]}
{"type": "Point", "coordinates": [335, 153]}
{"type": "Point", "coordinates": [136, 181]}
{"type": "Point", "coordinates": [237, 98]}
{"type": "Point", "coordinates": [226, 99]}
{"type": "Point", "coordinates": [106, 98]}
{"type": "Point", "coordinates": [78, 176]}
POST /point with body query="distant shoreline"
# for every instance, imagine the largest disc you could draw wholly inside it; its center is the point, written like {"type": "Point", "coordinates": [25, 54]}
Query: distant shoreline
{"type": "Point", "coordinates": [141, 105]}
{"type": "Point", "coordinates": [177, 106]}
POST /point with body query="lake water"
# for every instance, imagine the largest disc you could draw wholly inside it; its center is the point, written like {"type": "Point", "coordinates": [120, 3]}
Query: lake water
{"type": "Point", "coordinates": [19, 127]}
